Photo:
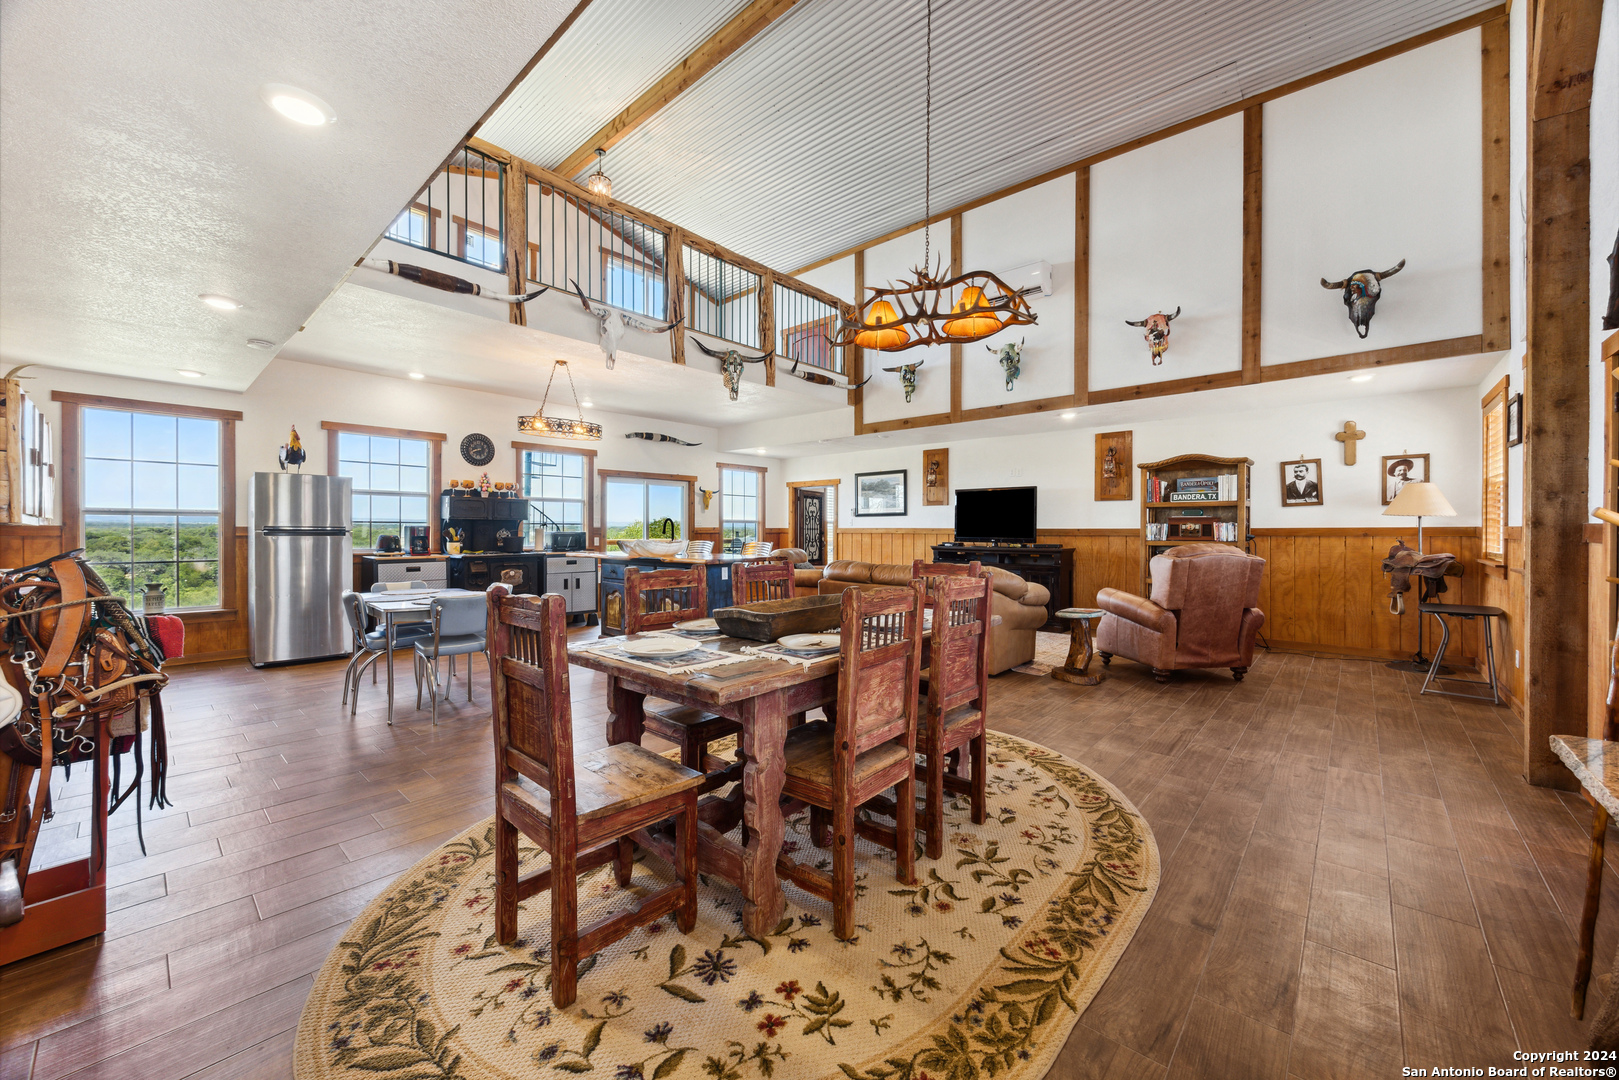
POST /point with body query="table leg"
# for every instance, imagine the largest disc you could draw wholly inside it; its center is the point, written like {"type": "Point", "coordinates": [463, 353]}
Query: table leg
{"type": "Point", "coordinates": [388, 622]}
{"type": "Point", "coordinates": [1076, 669]}
{"type": "Point", "coordinates": [1588, 917]}
{"type": "Point", "coordinates": [625, 716]}
{"type": "Point", "coordinates": [764, 735]}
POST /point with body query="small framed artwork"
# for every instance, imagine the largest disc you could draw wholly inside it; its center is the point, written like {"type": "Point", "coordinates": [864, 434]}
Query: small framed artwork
{"type": "Point", "coordinates": [1400, 470]}
{"type": "Point", "coordinates": [1301, 482]}
{"type": "Point", "coordinates": [881, 494]}
{"type": "Point", "coordinates": [1515, 420]}
{"type": "Point", "coordinates": [936, 477]}
{"type": "Point", "coordinates": [1113, 467]}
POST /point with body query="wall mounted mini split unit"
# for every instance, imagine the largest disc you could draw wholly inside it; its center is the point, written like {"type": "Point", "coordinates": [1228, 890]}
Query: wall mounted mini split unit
{"type": "Point", "coordinates": [1030, 278]}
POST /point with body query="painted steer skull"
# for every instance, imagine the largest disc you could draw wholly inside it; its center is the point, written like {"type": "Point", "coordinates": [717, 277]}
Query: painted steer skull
{"type": "Point", "coordinates": [907, 377]}
{"type": "Point", "coordinates": [1157, 327]}
{"type": "Point", "coordinates": [731, 363]}
{"type": "Point", "coordinates": [1361, 292]}
{"type": "Point", "coordinates": [1011, 360]}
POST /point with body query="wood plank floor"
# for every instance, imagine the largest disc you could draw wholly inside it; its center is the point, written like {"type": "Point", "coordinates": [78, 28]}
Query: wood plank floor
{"type": "Point", "coordinates": [1355, 876]}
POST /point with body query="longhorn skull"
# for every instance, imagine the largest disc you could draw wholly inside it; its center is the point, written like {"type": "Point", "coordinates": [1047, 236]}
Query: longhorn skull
{"type": "Point", "coordinates": [1157, 327]}
{"type": "Point", "coordinates": [1011, 359]}
{"type": "Point", "coordinates": [707, 494]}
{"type": "Point", "coordinates": [611, 324]}
{"type": "Point", "coordinates": [447, 282]}
{"type": "Point", "coordinates": [1361, 292]}
{"type": "Point", "coordinates": [907, 377]}
{"type": "Point", "coordinates": [731, 363]}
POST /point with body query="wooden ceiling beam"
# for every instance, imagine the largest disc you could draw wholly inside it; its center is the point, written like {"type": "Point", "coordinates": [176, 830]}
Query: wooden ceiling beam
{"type": "Point", "coordinates": [743, 27]}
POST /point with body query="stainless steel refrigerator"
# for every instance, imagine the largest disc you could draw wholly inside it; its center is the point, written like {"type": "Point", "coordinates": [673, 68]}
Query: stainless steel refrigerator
{"type": "Point", "coordinates": [299, 563]}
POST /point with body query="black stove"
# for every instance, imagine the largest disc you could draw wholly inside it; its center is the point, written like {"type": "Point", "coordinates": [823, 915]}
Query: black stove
{"type": "Point", "coordinates": [478, 571]}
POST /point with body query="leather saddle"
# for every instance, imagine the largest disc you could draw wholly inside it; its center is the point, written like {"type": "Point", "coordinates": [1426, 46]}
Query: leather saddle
{"type": "Point", "coordinates": [1403, 563]}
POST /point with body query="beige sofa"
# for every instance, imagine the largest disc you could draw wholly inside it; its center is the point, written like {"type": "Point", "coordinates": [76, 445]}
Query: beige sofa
{"type": "Point", "coordinates": [1020, 604]}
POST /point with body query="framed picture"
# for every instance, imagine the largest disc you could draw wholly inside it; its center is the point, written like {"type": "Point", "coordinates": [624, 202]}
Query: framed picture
{"type": "Point", "coordinates": [936, 477]}
{"type": "Point", "coordinates": [881, 494]}
{"type": "Point", "coordinates": [1301, 482]}
{"type": "Point", "coordinates": [1515, 420]}
{"type": "Point", "coordinates": [1400, 470]}
{"type": "Point", "coordinates": [1113, 466]}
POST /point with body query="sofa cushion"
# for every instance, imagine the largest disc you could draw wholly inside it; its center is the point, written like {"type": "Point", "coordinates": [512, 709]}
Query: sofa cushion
{"type": "Point", "coordinates": [848, 570]}
{"type": "Point", "coordinates": [891, 574]}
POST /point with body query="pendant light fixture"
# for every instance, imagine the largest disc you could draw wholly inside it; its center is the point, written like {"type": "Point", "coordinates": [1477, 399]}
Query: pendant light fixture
{"type": "Point", "coordinates": [598, 183]}
{"type": "Point", "coordinates": [932, 310]}
{"type": "Point", "coordinates": [556, 427]}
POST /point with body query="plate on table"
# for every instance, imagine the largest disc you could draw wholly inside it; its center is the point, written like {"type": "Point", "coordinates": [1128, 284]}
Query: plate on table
{"type": "Point", "coordinates": [811, 643]}
{"type": "Point", "coordinates": [698, 626]}
{"type": "Point", "coordinates": [657, 646]}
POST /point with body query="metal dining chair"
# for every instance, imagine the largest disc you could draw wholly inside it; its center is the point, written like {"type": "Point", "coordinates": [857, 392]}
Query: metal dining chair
{"type": "Point", "coordinates": [699, 549]}
{"type": "Point", "coordinates": [369, 645]}
{"type": "Point", "coordinates": [457, 626]}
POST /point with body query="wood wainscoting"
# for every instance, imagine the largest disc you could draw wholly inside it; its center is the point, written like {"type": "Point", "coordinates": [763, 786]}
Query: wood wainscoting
{"type": "Point", "coordinates": [210, 635]}
{"type": "Point", "coordinates": [1324, 589]}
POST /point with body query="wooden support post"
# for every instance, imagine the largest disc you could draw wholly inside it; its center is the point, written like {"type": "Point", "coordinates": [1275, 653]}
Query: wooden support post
{"type": "Point", "coordinates": [1082, 285]}
{"type": "Point", "coordinates": [674, 258]}
{"type": "Point", "coordinates": [1253, 248]}
{"type": "Point", "coordinates": [514, 235]}
{"type": "Point", "coordinates": [955, 346]}
{"type": "Point", "coordinates": [767, 324]}
{"type": "Point", "coordinates": [1495, 64]}
{"type": "Point", "coordinates": [855, 361]}
{"type": "Point", "coordinates": [1562, 52]}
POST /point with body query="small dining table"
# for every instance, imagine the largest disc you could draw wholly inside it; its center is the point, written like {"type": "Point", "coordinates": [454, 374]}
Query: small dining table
{"type": "Point", "coordinates": [402, 606]}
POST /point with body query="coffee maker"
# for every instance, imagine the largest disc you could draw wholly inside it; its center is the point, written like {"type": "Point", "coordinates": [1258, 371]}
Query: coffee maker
{"type": "Point", "coordinates": [416, 537]}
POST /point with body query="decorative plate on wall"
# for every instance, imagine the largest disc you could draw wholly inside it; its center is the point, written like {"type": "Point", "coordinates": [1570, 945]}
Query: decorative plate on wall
{"type": "Point", "coordinates": [478, 449]}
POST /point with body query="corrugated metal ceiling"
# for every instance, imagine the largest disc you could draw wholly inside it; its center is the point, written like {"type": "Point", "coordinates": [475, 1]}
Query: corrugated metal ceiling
{"type": "Point", "coordinates": [809, 139]}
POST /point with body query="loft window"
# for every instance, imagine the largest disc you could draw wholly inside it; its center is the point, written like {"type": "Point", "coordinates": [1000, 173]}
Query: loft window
{"type": "Point", "coordinates": [633, 285]}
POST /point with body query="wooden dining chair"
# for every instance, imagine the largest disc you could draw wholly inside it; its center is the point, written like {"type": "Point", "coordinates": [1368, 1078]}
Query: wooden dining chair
{"type": "Point", "coordinates": [657, 600]}
{"type": "Point", "coordinates": [753, 582]}
{"type": "Point", "coordinates": [926, 571]}
{"type": "Point", "coordinates": [956, 699]}
{"type": "Point", "coordinates": [835, 767]}
{"type": "Point", "coordinates": [580, 807]}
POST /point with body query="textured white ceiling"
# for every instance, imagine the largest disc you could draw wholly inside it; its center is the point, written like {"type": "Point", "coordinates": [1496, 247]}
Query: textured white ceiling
{"type": "Point", "coordinates": [809, 139]}
{"type": "Point", "coordinates": [139, 167]}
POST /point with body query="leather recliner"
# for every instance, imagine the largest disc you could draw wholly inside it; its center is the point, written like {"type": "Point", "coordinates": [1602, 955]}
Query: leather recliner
{"type": "Point", "coordinates": [1204, 612]}
{"type": "Point", "coordinates": [1020, 604]}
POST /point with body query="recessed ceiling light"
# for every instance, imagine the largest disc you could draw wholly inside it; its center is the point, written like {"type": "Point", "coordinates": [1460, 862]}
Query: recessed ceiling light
{"type": "Point", "coordinates": [299, 106]}
{"type": "Point", "coordinates": [1360, 378]}
{"type": "Point", "coordinates": [587, 404]}
{"type": "Point", "coordinates": [260, 343]}
{"type": "Point", "coordinates": [188, 373]}
{"type": "Point", "coordinates": [1067, 416]}
{"type": "Point", "coordinates": [222, 303]}
{"type": "Point", "coordinates": [417, 375]}
{"type": "Point", "coordinates": [760, 450]}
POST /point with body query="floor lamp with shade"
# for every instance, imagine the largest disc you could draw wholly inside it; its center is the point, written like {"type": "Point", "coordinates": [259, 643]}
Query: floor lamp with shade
{"type": "Point", "coordinates": [1418, 500]}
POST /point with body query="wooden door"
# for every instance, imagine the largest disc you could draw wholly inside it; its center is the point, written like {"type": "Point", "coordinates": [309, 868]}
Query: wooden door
{"type": "Point", "coordinates": [809, 524]}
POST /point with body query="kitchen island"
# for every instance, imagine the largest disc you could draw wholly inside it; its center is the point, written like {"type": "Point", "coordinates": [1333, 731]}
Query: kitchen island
{"type": "Point", "coordinates": [610, 580]}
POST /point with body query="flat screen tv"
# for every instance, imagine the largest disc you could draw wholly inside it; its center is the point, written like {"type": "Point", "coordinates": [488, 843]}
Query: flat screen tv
{"type": "Point", "coordinates": [996, 515]}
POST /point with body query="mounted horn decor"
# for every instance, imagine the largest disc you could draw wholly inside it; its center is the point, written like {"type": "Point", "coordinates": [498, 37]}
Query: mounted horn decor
{"type": "Point", "coordinates": [1157, 327]}
{"type": "Point", "coordinates": [1361, 292]}
{"type": "Point", "coordinates": [1011, 360]}
{"type": "Point", "coordinates": [434, 279]}
{"type": "Point", "coordinates": [731, 363]}
{"type": "Point", "coordinates": [907, 377]}
{"type": "Point", "coordinates": [612, 322]}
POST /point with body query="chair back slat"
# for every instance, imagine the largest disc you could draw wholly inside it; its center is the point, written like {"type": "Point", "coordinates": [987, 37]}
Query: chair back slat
{"type": "Point", "coordinates": [657, 599]}
{"type": "Point", "coordinates": [879, 668]}
{"type": "Point", "coordinates": [958, 664]}
{"type": "Point", "coordinates": [528, 674]}
{"type": "Point", "coordinates": [929, 571]}
{"type": "Point", "coordinates": [753, 582]}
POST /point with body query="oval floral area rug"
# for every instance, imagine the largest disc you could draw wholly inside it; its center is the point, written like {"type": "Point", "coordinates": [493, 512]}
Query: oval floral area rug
{"type": "Point", "coordinates": [981, 969]}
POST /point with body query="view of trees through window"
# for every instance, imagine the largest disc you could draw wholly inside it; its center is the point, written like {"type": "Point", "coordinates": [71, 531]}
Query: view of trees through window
{"type": "Point", "coordinates": [632, 503]}
{"type": "Point", "coordinates": [390, 483]}
{"type": "Point", "coordinates": [151, 504]}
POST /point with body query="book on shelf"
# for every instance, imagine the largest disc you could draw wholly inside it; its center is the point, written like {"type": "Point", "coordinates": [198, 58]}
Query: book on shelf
{"type": "Point", "coordinates": [1194, 489]}
{"type": "Point", "coordinates": [1198, 483]}
{"type": "Point", "coordinates": [1194, 496]}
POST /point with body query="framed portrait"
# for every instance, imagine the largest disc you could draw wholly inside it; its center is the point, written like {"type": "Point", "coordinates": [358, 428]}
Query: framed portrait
{"type": "Point", "coordinates": [1301, 482]}
{"type": "Point", "coordinates": [1515, 420]}
{"type": "Point", "coordinates": [1400, 470]}
{"type": "Point", "coordinates": [881, 494]}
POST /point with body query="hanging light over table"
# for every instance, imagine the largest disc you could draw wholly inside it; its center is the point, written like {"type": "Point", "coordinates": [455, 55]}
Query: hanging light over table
{"type": "Point", "coordinates": [557, 427]}
{"type": "Point", "coordinates": [598, 183]}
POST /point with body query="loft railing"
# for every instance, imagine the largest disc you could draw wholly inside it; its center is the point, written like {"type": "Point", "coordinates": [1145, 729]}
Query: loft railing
{"type": "Point", "coordinates": [561, 236]}
{"type": "Point", "coordinates": [459, 214]}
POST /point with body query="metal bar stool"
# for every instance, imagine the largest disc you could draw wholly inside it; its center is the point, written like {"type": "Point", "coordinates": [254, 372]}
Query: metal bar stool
{"type": "Point", "coordinates": [1469, 612]}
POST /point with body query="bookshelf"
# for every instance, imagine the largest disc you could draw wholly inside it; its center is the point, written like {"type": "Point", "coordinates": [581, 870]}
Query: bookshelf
{"type": "Point", "coordinates": [1172, 513]}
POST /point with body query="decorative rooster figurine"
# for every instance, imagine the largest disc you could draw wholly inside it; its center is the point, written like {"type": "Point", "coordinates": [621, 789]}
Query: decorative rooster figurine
{"type": "Point", "coordinates": [293, 452]}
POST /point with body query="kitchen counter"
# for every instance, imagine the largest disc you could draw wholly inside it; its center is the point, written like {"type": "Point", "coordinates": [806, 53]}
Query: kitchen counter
{"type": "Point", "coordinates": [613, 565]}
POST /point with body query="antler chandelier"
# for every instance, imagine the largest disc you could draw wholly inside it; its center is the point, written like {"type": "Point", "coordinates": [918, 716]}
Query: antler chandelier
{"type": "Point", "coordinates": [930, 310]}
{"type": "Point", "coordinates": [556, 427]}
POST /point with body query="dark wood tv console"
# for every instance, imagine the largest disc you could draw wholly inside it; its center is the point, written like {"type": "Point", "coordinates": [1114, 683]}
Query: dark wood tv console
{"type": "Point", "coordinates": [1051, 565]}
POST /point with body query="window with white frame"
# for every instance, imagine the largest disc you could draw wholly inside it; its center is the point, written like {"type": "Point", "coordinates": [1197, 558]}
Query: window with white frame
{"type": "Point", "coordinates": [742, 506]}
{"type": "Point", "coordinates": [641, 507]}
{"type": "Point", "coordinates": [391, 478]}
{"type": "Point", "coordinates": [151, 499]}
{"type": "Point", "coordinates": [553, 482]}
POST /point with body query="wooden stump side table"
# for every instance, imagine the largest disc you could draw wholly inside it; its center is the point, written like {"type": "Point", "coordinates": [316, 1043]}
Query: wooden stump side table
{"type": "Point", "coordinates": [1080, 647]}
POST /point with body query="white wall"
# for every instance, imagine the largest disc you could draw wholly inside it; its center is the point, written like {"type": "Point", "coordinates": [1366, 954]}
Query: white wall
{"type": "Point", "coordinates": [1441, 423]}
{"type": "Point", "coordinates": [1382, 164]}
{"type": "Point", "coordinates": [1166, 232]}
{"type": "Point", "coordinates": [290, 393]}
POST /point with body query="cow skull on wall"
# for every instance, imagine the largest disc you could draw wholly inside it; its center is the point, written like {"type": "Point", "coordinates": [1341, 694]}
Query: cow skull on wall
{"type": "Point", "coordinates": [1011, 360]}
{"type": "Point", "coordinates": [731, 363]}
{"type": "Point", "coordinates": [1157, 327]}
{"type": "Point", "coordinates": [611, 324]}
{"type": "Point", "coordinates": [707, 494]}
{"type": "Point", "coordinates": [907, 377]}
{"type": "Point", "coordinates": [1361, 292]}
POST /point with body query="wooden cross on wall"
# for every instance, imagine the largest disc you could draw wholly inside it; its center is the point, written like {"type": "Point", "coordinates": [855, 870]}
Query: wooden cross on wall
{"type": "Point", "coordinates": [1349, 436]}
